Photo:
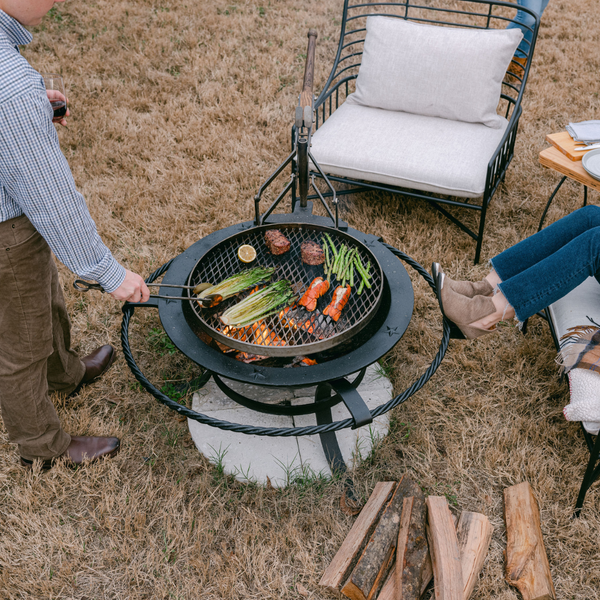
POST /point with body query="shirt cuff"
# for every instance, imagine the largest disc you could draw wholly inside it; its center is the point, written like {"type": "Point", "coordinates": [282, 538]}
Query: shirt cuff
{"type": "Point", "coordinates": [112, 277]}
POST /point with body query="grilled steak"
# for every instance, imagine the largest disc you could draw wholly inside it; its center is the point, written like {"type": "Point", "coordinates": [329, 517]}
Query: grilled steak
{"type": "Point", "coordinates": [276, 242]}
{"type": "Point", "coordinates": [312, 253]}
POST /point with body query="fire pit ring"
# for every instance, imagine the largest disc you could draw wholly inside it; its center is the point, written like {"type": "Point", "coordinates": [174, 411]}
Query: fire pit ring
{"type": "Point", "coordinates": [128, 310]}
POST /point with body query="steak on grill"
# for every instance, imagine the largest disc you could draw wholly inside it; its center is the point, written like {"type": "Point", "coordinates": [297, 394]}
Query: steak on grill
{"type": "Point", "coordinates": [276, 242]}
{"type": "Point", "coordinates": [312, 253]}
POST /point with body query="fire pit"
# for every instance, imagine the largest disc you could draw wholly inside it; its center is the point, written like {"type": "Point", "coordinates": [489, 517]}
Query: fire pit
{"type": "Point", "coordinates": [371, 324]}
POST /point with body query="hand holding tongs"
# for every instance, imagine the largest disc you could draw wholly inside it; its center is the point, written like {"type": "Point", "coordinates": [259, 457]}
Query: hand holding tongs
{"type": "Point", "coordinates": [207, 302]}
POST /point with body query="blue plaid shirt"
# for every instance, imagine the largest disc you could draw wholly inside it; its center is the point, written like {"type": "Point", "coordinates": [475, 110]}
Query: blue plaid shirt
{"type": "Point", "coordinates": [35, 178]}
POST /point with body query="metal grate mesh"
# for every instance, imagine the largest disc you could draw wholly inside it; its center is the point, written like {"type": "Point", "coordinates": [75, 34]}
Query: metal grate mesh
{"type": "Point", "coordinates": [295, 327]}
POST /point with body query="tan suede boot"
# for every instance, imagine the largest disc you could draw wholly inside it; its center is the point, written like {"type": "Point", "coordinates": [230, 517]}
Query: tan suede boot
{"type": "Point", "coordinates": [462, 311]}
{"type": "Point", "coordinates": [516, 70]}
{"type": "Point", "coordinates": [466, 288]}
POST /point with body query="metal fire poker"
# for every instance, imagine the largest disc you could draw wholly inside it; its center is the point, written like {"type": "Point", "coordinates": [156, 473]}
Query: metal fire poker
{"type": "Point", "coordinates": [300, 154]}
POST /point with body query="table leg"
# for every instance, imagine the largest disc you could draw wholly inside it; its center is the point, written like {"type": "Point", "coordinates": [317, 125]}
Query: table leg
{"type": "Point", "coordinates": [550, 202]}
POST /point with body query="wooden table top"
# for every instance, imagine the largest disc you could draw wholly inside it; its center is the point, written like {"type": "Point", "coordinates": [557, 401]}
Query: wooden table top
{"type": "Point", "coordinates": [566, 144]}
{"type": "Point", "coordinates": [556, 160]}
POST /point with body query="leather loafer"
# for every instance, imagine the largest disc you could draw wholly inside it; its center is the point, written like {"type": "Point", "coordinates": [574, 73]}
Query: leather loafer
{"type": "Point", "coordinates": [82, 449]}
{"type": "Point", "coordinates": [96, 364]}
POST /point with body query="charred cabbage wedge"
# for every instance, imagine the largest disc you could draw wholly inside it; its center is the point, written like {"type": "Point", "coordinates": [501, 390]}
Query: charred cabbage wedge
{"type": "Point", "coordinates": [236, 283]}
{"type": "Point", "coordinates": [259, 305]}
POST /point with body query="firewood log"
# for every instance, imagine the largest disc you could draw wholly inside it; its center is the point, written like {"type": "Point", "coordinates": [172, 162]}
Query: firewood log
{"type": "Point", "coordinates": [338, 570]}
{"type": "Point", "coordinates": [373, 566]}
{"type": "Point", "coordinates": [527, 566]}
{"type": "Point", "coordinates": [474, 533]}
{"type": "Point", "coordinates": [443, 547]}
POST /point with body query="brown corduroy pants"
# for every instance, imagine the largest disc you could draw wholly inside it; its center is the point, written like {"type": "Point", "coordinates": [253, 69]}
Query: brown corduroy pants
{"type": "Point", "coordinates": [35, 340]}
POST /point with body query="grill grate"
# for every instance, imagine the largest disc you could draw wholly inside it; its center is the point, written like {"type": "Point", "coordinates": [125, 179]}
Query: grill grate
{"type": "Point", "coordinates": [296, 331]}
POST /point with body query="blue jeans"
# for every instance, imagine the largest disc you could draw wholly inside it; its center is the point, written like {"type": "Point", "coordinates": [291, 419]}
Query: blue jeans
{"type": "Point", "coordinates": [548, 265]}
{"type": "Point", "coordinates": [537, 6]}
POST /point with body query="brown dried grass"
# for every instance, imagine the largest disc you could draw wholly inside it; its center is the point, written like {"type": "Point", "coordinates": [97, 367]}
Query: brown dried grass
{"type": "Point", "coordinates": [179, 112]}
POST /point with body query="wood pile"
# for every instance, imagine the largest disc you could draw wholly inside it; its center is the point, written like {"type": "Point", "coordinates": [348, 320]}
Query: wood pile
{"type": "Point", "coordinates": [401, 541]}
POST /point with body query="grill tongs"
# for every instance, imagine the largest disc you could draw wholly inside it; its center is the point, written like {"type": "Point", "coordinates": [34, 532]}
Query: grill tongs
{"type": "Point", "coordinates": [207, 302]}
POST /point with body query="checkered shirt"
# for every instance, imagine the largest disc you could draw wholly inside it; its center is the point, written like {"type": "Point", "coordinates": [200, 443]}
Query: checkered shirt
{"type": "Point", "coordinates": [35, 178]}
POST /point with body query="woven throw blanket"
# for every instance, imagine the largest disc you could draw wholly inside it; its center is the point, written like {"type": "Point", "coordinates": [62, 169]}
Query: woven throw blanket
{"type": "Point", "coordinates": [580, 348]}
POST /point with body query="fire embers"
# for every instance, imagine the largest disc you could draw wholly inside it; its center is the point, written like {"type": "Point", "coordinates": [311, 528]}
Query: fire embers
{"type": "Point", "coordinates": [314, 323]}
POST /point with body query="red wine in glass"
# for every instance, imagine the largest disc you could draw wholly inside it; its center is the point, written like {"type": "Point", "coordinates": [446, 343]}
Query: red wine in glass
{"type": "Point", "coordinates": [59, 107]}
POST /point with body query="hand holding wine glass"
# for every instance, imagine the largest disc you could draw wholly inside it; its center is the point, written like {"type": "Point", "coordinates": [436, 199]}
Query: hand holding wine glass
{"type": "Point", "coordinates": [55, 90]}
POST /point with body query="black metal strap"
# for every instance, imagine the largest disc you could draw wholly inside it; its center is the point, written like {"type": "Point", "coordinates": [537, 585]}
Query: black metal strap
{"type": "Point", "coordinates": [354, 403]}
{"type": "Point", "coordinates": [329, 441]}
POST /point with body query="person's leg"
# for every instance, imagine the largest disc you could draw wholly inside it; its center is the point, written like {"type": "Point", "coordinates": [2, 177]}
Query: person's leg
{"type": "Point", "coordinates": [545, 243]}
{"type": "Point", "coordinates": [26, 342]}
{"type": "Point", "coordinates": [550, 279]}
{"type": "Point", "coordinates": [525, 22]}
{"type": "Point", "coordinates": [65, 369]}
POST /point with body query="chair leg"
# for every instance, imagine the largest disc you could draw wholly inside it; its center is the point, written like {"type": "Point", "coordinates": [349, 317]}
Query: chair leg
{"type": "Point", "coordinates": [484, 206]}
{"type": "Point", "coordinates": [591, 474]}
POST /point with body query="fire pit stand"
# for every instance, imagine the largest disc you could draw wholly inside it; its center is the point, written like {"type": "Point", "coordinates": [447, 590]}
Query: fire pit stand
{"type": "Point", "coordinates": [371, 325]}
{"type": "Point", "coordinates": [381, 334]}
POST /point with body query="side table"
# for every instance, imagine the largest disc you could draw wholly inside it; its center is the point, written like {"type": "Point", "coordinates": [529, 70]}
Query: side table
{"type": "Point", "coordinates": [557, 158]}
{"type": "Point", "coordinates": [575, 308]}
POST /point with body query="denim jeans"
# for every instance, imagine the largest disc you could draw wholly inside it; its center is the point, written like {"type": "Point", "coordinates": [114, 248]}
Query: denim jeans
{"type": "Point", "coordinates": [546, 266]}
{"type": "Point", "coordinates": [537, 6]}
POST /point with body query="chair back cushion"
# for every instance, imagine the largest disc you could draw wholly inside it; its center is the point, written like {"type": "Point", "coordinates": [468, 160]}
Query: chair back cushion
{"type": "Point", "coordinates": [448, 72]}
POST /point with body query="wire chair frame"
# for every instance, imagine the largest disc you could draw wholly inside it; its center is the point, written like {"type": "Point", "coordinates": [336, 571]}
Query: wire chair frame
{"type": "Point", "coordinates": [474, 14]}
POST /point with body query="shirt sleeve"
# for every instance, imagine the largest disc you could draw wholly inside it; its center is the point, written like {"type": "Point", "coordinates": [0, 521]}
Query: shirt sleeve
{"type": "Point", "coordinates": [37, 176]}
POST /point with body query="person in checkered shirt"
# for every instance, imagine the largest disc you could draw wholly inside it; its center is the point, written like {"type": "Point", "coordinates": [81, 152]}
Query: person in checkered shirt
{"type": "Point", "coordinates": [41, 212]}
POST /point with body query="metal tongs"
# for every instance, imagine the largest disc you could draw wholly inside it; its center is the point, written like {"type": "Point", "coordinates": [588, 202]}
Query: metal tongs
{"type": "Point", "coordinates": [207, 302]}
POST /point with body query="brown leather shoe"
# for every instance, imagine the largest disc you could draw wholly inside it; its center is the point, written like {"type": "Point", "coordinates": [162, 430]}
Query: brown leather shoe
{"type": "Point", "coordinates": [96, 364]}
{"type": "Point", "coordinates": [82, 449]}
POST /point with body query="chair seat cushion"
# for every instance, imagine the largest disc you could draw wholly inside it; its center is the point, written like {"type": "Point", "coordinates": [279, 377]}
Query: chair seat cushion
{"type": "Point", "coordinates": [406, 150]}
{"type": "Point", "coordinates": [573, 310]}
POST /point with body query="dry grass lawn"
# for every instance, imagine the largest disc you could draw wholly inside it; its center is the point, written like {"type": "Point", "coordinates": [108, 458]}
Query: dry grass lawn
{"type": "Point", "coordinates": [179, 111]}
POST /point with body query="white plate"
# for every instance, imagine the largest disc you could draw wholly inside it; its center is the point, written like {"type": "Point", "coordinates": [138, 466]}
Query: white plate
{"type": "Point", "coordinates": [591, 163]}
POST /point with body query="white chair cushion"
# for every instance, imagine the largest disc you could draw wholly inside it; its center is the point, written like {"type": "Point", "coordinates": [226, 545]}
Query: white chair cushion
{"type": "Point", "coordinates": [573, 310]}
{"type": "Point", "coordinates": [447, 72]}
{"type": "Point", "coordinates": [406, 150]}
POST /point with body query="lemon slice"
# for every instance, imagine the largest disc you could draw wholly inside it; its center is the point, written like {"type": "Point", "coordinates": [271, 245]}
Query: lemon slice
{"type": "Point", "coordinates": [246, 253]}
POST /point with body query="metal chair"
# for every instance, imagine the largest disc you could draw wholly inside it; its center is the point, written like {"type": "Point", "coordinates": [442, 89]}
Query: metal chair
{"type": "Point", "coordinates": [471, 14]}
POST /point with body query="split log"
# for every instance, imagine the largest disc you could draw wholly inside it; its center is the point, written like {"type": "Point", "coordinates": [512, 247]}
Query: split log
{"type": "Point", "coordinates": [372, 567]}
{"type": "Point", "coordinates": [474, 533]}
{"type": "Point", "coordinates": [443, 547]}
{"type": "Point", "coordinates": [388, 591]}
{"type": "Point", "coordinates": [345, 559]}
{"type": "Point", "coordinates": [527, 566]}
{"type": "Point", "coordinates": [407, 508]}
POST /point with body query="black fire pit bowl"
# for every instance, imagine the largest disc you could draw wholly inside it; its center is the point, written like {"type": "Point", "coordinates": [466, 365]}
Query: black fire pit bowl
{"type": "Point", "coordinates": [377, 338]}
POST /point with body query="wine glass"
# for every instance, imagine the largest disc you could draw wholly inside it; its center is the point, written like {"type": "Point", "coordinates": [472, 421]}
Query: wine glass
{"type": "Point", "coordinates": [55, 86]}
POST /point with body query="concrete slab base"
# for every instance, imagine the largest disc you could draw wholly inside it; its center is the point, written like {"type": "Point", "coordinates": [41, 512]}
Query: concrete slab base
{"type": "Point", "coordinates": [282, 460]}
